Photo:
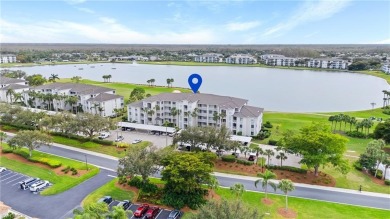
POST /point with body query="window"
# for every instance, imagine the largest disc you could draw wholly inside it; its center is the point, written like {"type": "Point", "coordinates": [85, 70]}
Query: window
{"type": "Point", "coordinates": [252, 126]}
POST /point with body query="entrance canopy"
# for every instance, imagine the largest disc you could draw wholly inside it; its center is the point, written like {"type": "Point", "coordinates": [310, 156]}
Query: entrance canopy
{"type": "Point", "coordinates": [147, 127]}
{"type": "Point", "coordinates": [242, 139]}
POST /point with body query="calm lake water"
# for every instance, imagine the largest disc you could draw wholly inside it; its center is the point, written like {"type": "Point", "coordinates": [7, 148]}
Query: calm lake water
{"type": "Point", "coordinates": [273, 89]}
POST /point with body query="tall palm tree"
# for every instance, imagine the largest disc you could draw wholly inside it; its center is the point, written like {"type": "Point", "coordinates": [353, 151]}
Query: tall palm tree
{"type": "Point", "coordinates": [194, 114]}
{"type": "Point", "coordinates": [286, 186]}
{"type": "Point", "coordinates": [265, 181]}
{"type": "Point", "coordinates": [352, 121]}
{"type": "Point", "coordinates": [10, 94]}
{"type": "Point", "coordinates": [2, 137]}
{"type": "Point", "coordinates": [152, 81]}
{"type": "Point", "coordinates": [53, 78]}
{"type": "Point", "coordinates": [149, 82]}
{"type": "Point", "coordinates": [174, 112]}
{"type": "Point", "coordinates": [104, 78]}
{"type": "Point", "coordinates": [222, 116]}
{"type": "Point", "coordinates": [281, 156]}
{"type": "Point", "coordinates": [269, 153]}
{"type": "Point", "coordinates": [172, 81]}
{"type": "Point", "coordinates": [168, 81]}
{"type": "Point", "coordinates": [331, 119]}
{"type": "Point", "coordinates": [109, 78]}
{"type": "Point", "coordinates": [216, 117]}
{"type": "Point", "coordinates": [18, 97]}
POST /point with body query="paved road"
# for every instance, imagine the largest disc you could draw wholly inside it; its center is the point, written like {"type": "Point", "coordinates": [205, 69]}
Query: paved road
{"type": "Point", "coordinates": [350, 197]}
{"type": "Point", "coordinates": [48, 207]}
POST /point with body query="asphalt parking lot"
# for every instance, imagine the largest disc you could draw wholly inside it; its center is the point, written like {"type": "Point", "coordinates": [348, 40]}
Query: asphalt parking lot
{"type": "Point", "coordinates": [129, 136]}
{"type": "Point", "coordinates": [46, 207]}
{"type": "Point", "coordinates": [163, 214]}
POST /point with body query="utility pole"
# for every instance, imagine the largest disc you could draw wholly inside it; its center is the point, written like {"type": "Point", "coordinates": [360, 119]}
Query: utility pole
{"type": "Point", "coordinates": [86, 162]}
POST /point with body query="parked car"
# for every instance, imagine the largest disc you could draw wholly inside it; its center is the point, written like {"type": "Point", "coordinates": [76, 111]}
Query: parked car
{"type": "Point", "coordinates": [39, 186]}
{"type": "Point", "coordinates": [119, 138]}
{"type": "Point", "coordinates": [2, 169]}
{"type": "Point", "coordinates": [104, 135]}
{"type": "Point", "coordinates": [136, 141]}
{"type": "Point", "coordinates": [105, 199]}
{"type": "Point", "coordinates": [175, 214]}
{"type": "Point", "coordinates": [125, 204]}
{"type": "Point", "coordinates": [128, 129]}
{"type": "Point", "coordinates": [141, 210]}
{"type": "Point", "coordinates": [25, 184]}
{"type": "Point", "coordinates": [252, 157]}
{"type": "Point", "coordinates": [152, 212]}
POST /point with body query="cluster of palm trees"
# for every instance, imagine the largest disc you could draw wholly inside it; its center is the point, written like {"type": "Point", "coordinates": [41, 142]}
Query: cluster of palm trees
{"type": "Point", "coordinates": [386, 98]}
{"type": "Point", "coordinates": [170, 81]}
{"type": "Point", "coordinates": [53, 78]}
{"type": "Point", "coordinates": [107, 78]}
{"type": "Point", "coordinates": [13, 96]}
{"type": "Point", "coordinates": [151, 82]}
{"type": "Point", "coordinates": [342, 119]}
{"type": "Point", "coordinates": [49, 99]}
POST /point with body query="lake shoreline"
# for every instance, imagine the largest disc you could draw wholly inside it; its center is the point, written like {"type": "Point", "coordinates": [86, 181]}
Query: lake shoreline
{"type": "Point", "coordinates": [375, 73]}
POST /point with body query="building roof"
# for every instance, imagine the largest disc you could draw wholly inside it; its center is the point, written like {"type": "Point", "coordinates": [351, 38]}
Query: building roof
{"type": "Point", "coordinates": [249, 111]}
{"type": "Point", "coordinates": [146, 127]}
{"type": "Point", "coordinates": [76, 87]}
{"type": "Point", "coordinates": [5, 80]}
{"type": "Point", "coordinates": [137, 104]}
{"type": "Point", "coordinates": [240, 138]}
{"type": "Point", "coordinates": [14, 87]}
{"type": "Point", "coordinates": [210, 99]}
{"type": "Point", "coordinates": [104, 97]}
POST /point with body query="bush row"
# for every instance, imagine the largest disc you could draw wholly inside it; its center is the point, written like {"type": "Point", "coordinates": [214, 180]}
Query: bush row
{"type": "Point", "coordinates": [145, 187]}
{"type": "Point", "coordinates": [229, 158]}
{"type": "Point", "coordinates": [8, 126]}
{"type": "Point", "coordinates": [26, 155]}
{"type": "Point", "coordinates": [288, 168]}
{"type": "Point", "coordinates": [245, 162]}
{"type": "Point", "coordinates": [83, 139]}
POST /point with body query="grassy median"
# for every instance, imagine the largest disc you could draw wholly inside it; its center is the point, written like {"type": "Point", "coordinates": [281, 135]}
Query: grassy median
{"type": "Point", "coordinates": [61, 182]}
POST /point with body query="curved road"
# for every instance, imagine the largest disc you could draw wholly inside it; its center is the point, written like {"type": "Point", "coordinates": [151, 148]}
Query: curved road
{"type": "Point", "coordinates": [367, 199]}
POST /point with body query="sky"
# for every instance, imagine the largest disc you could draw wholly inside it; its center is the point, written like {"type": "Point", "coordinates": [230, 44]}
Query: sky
{"type": "Point", "coordinates": [195, 22]}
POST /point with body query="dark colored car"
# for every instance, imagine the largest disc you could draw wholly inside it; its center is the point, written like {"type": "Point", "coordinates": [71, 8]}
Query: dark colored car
{"type": "Point", "coordinates": [152, 212]}
{"type": "Point", "coordinates": [125, 204]}
{"type": "Point", "coordinates": [141, 210]}
{"type": "Point", "coordinates": [252, 158]}
{"type": "Point", "coordinates": [175, 214]}
{"type": "Point", "coordinates": [105, 199]}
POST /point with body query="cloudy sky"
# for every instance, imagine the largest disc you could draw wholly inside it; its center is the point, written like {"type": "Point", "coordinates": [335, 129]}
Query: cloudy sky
{"type": "Point", "coordinates": [195, 22]}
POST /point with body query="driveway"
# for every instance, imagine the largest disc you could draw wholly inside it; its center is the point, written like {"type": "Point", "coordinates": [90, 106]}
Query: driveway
{"type": "Point", "coordinates": [57, 206]}
{"type": "Point", "coordinates": [158, 140]}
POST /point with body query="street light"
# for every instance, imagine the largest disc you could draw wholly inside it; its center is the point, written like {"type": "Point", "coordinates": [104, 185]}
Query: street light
{"type": "Point", "coordinates": [86, 162]}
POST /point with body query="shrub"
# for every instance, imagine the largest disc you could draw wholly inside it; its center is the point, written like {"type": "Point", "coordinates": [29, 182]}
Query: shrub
{"type": "Point", "coordinates": [22, 153]}
{"type": "Point", "coordinates": [7, 150]}
{"type": "Point", "coordinates": [228, 158]}
{"type": "Point", "coordinates": [288, 168]}
{"type": "Point", "coordinates": [49, 162]}
{"type": "Point", "coordinates": [263, 134]}
{"type": "Point", "coordinates": [74, 172]}
{"type": "Point", "coordinates": [135, 181]}
{"type": "Point", "coordinates": [122, 144]}
{"type": "Point", "coordinates": [8, 128]}
{"type": "Point", "coordinates": [357, 165]}
{"type": "Point", "coordinates": [149, 188]}
{"type": "Point", "coordinates": [268, 125]}
{"type": "Point", "coordinates": [103, 142]}
{"type": "Point", "coordinates": [379, 174]}
{"type": "Point", "coordinates": [272, 142]}
{"type": "Point", "coordinates": [356, 134]}
{"type": "Point", "coordinates": [122, 180]}
{"type": "Point", "coordinates": [245, 162]}
{"type": "Point", "coordinates": [178, 200]}
{"type": "Point", "coordinates": [386, 111]}
{"type": "Point", "coordinates": [387, 182]}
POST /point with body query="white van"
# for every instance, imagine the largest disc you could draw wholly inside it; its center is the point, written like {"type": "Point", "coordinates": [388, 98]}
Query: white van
{"type": "Point", "coordinates": [38, 186]}
{"type": "Point", "coordinates": [28, 182]}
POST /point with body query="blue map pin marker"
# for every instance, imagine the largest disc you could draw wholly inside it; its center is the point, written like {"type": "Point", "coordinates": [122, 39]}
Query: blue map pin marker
{"type": "Point", "coordinates": [195, 84]}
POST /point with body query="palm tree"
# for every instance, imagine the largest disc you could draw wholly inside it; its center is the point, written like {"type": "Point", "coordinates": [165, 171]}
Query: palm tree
{"type": "Point", "coordinates": [216, 117]}
{"type": "Point", "coordinates": [352, 121]}
{"type": "Point", "coordinates": [18, 97]}
{"type": "Point", "coordinates": [286, 186]}
{"type": "Point", "coordinates": [2, 137]}
{"type": "Point", "coordinates": [71, 100]}
{"type": "Point", "coordinates": [53, 78]}
{"type": "Point", "coordinates": [172, 81]}
{"type": "Point", "coordinates": [222, 116]}
{"type": "Point", "coordinates": [331, 119]}
{"type": "Point", "coordinates": [194, 114]}
{"type": "Point", "coordinates": [149, 82]}
{"type": "Point", "coordinates": [269, 153]}
{"type": "Point", "coordinates": [152, 81]}
{"type": "Point", "coordinates": [237, 189]}
{"type": "Point", "coordinates": [105, 77]}
{"type": "Point", "coordinates": [265, 181]}
{"type": "Point", "coordinates": [168, 81]}
{"type": "Point", "coordinates": [10, 94]}
{"type": "Point", "coordinates": [281, 156]}
{"type": "Point", "coordinates": [346, 120]}
{"type": "Point", "coordinates": [174, 112]}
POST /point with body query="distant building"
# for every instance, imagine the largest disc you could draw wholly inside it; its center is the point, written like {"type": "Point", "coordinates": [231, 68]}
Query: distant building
{"type": "Point", "coordinates": [209, 57]}
{"type": "Point", "coordinates": [11, 86]}
{"type": "Point", "coordinates": [241, 59]}
{"type": "Point", "coordinates": [198, 110]}
{"type": "Point", "coordinates": [129, 58]}
{"type": "Point", "coordinates": [269, 56]}
{"type": "Point", "coordinates": [386, 68]}
{"type": "Point", "coordinates": [7, 58]}
{"type": "Point", "coordinates": [327, 63]}
{"type": "Point", "coordinates": [91, 99]}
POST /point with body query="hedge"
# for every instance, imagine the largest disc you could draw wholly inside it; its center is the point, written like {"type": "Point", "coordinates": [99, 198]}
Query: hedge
{"type": "Point", "coordinates": [272, 142]}
{"type": "Point", "coordinates": [46, 161]}
{"type": "Point", "coordinates": [10, 126]}
{"type": "Point", "coordinates": [7, 150]}
{"type": "Point", "coordinates": [229, 158]}
{"type": "Point", "coordinates": [387, 182]}
{"type": "Point", "coordinates": [103, 142]}
{"type": "Point", "coordinates": [83, 139]}
{"type": "Point", "coordinates": [357, 165]}
{"type": "Point", "coordinates": [356, 134]}
{"type": "Point", "coordinates": [288, 168]}
{"type": "Point", "coordinates": [245, 162]}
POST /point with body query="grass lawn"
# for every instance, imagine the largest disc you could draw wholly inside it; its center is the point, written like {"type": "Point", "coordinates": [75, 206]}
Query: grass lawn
{"type": "Point", "coordinates": [92, 146]}
{"type": "Point", "coordinates": [61, 183]}
{"type": "Point", "coordinates": [306, 208]}
{"type": "Point", "coordinates": [125, 89]}
{"type": "Point", "coordinates": [108, 189]}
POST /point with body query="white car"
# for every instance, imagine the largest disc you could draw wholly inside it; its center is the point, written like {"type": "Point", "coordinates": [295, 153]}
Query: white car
{"type": "Point", "coordinates": [136, 141]}
{"type": "Point", "coordinates": [104, 135]}
{"type": "Point", "coordinates": [39, 186]}
{"type": "Point", "coordinates": [2, 169]}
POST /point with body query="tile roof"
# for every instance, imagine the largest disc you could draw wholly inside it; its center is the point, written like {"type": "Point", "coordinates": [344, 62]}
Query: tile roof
{"type": "Point", "coordinates": [5, 80]}
{"type": "Point", "coordinates": [14, 87]}
{"type": "Point", "coordinates": [75, 87]}
{"type": "Point", "coordinates": [104, 97]}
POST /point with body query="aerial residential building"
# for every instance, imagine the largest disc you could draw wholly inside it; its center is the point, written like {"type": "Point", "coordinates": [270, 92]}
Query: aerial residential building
{"type": "Point", "coordinates": [269, 56]}
{"type": "Point", "coordinates": [187, 109]}
{"type": "Point", "coordinates": [7, 58]}
{"type": "Point", "coordinates": [209, 57]}
{"type": "Point", "coordinates": [386, 68]}
{"type": "Point", "coordinates": [90, 98]}
{"type": "Point", "coordinates": [11, 86]}
{"type": "Point", "coordinates": [327, 63]}
{"type": "Point", "coordinates": [280, 61]}
{"type": "Point", "coordinates": [241, 59]}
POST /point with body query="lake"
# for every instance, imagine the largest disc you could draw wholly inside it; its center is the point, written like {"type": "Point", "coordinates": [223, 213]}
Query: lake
{"type": "Point", "coordinates": [273, 89]}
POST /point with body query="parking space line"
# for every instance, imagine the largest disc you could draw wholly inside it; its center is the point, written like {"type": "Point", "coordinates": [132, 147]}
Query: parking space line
{"type": "Point", "coordinates": [161, 210]}
{"type": "Point", "coordinates": [15, 179]}
{"type": "Point", "coordinates": [129, 207]}
{"type": "Point", "coordinates": [6, 174]}
{"type": "Point", "coordinates": [8, 178]}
